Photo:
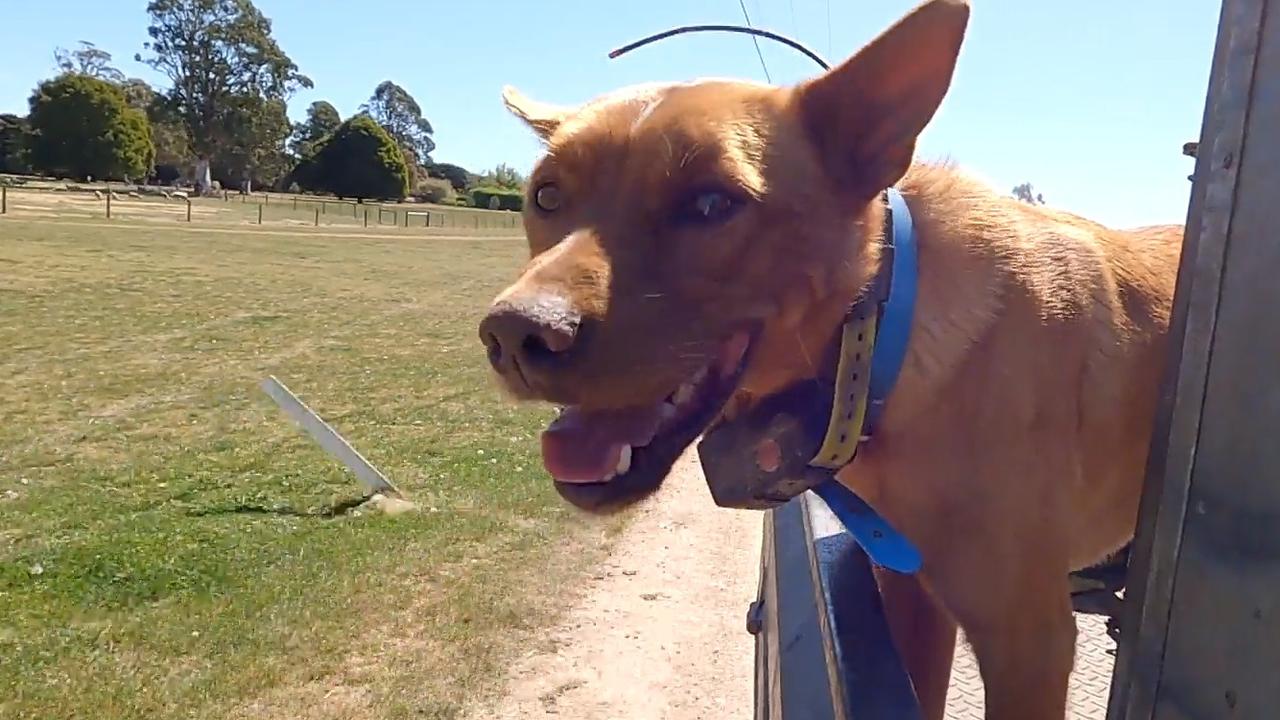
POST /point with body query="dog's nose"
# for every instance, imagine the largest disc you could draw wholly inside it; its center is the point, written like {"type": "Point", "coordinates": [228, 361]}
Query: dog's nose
{"type": "Point", "coordinates": [528, 337]}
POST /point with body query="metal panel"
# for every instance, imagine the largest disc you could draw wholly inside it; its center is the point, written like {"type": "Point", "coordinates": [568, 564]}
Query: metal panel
{"type": "Point", "coordinates": [1223, 646]}
{"type": "Point", "coordinates": [823, 648]}
{"type": "Point", "coordinates": [1199, 638]}
{"type": "Point", "coordinates": [799, 678]}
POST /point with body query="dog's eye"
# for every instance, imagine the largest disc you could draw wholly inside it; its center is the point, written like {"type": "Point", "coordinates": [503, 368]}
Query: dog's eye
{"type": "Point", "coordinates": [712, 206]}
{"type": "Point", "coordinates": [547, 197]}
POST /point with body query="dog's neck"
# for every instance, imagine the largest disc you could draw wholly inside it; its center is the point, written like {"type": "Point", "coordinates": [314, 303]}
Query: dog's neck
{"type": "Point", "coordinates": [806, 343]}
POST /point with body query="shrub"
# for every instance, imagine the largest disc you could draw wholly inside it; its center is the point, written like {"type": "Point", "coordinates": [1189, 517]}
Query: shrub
{"type": "Point", "coordinates": [506, 199]}
{"type": "Point", "coordinates": [359, 160]}
{"type": "Point", "coordinates": [433, 190]}
{"type": "Point", "coordinates": [81, 126]}
{"type": "Point", "coordinates": [166, 174]}
{"type": "Point", "coordinates": [457, 176]}
{"type": "Point", "coordinates": [15, 140]}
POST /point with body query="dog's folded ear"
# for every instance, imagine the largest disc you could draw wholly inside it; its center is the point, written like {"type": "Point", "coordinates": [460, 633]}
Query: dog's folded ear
{"type": "Point", "coordinates": [542, 117]}
{"type": "Point", "coordinates": [865, 114]}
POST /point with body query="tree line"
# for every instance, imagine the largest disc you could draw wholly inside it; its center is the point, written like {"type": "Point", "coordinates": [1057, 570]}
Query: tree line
{"type": "Point", "coordinates": [223, 121]}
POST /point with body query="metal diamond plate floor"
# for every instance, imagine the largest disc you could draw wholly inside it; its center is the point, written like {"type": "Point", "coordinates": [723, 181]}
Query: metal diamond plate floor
{"type": "Point", "coordinates": [1090, 681]}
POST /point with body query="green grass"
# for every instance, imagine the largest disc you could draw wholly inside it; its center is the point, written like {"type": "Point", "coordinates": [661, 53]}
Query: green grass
{"type": "Point", "coordinates": [165, 549]}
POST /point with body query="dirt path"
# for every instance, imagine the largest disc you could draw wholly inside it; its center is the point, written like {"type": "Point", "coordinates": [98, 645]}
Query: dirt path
{"type": "Point", "coordinates": [660, 632]}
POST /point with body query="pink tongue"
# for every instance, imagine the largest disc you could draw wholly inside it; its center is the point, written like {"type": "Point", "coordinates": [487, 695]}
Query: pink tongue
{"type": "Point", "coordinates": [585, 446]}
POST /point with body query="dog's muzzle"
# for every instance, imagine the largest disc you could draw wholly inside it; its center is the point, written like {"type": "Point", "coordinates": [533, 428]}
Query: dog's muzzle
{"type": "Point", "coordinates": [760, 459]}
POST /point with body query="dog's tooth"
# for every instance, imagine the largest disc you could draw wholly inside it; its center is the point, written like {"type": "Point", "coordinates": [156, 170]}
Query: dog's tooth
{"type": "Point", "coordinates": [624, 461]}
{"type": "Point", "coordinates": [683, 394]}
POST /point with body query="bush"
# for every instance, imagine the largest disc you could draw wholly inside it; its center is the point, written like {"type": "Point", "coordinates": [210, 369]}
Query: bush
{"type": "Point", "coordinates": [81, 126]}
{"type": "Point", "coordinates": [15, 140]}
{"type": "Point", "coordinates": [505, 199]}
{"type": "Point", "coordinates": [166, 174]}
{"type": "Point", "coordinates": [434, 190]}
{"type": "Point", "coordinates": [457, 176]}
{"type": "Point", "coordinates": [359, 160]}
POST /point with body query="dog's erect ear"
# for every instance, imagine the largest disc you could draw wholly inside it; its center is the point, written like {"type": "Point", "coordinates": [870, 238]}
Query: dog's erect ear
{"type": "Point", "coordinates": [542, 117]}
{"type": "Point", "coordinates": [865, 114]}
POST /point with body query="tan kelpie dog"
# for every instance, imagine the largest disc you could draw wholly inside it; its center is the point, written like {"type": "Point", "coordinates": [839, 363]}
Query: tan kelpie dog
{"type": "Point", "coordinates": [695, 248]}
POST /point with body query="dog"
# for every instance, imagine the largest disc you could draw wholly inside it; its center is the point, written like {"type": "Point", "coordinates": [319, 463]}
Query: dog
{"type": "Point", "coordinates": [694, 251]}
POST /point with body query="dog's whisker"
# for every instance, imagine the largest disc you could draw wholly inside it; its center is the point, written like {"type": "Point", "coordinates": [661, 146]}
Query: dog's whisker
{"type": "Point", "coordinates": [804, 350]}
{"type": "Point", "coordinates": [689, 155]}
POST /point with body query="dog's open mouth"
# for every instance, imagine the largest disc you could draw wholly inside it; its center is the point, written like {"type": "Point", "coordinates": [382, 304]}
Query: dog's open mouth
{"type": "Point", "coordinates": [605, 459]}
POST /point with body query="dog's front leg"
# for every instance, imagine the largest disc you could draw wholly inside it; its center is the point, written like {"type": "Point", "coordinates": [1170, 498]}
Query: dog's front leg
{"type": "Point", "coordinates": [924, 635]}
{"type": "Point", "coordinates": [1015, 609]}
{"type": "Point", "coordinates": [1026, 660]}
{"type": "Point", "coordinates": [996, 557]}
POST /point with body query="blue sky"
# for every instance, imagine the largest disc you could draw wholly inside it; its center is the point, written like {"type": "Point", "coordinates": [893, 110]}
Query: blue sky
{"type": "Point", "coordinates": [1089, 100]}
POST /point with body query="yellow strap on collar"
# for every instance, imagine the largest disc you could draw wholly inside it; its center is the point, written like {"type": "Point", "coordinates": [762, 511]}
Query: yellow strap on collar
{"type": "Point", "coordinates": [853, 381]}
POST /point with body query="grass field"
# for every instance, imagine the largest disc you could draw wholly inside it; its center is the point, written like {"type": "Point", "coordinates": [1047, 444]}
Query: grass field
{"type": "Point", "coordinates": [167, 546]}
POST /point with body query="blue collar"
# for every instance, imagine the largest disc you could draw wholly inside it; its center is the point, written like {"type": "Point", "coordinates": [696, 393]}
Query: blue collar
{"type": "Point", "coordinates": [894, 328]}
{"type": "Point", "coordinates": [881, 324]}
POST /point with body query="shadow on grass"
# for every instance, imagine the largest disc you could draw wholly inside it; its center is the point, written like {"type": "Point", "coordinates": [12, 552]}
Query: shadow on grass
{"type": "Point", "coordinates": [335, 510]}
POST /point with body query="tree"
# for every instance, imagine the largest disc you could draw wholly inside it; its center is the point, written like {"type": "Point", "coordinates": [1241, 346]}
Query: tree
{"type": "Point", "coordinates": [173, 151]}
{"type": "Point", "coordinates": [256, 132]}
{"type": "Point", "coordinates": [81, 127]}
{"type": "Point", "coordinates": [399, 114]}
{"type": "Point", "coordinates": [322, 120]}
{"type": "Point", "coordinates": [228, 79]}
{"type": "Point", "coordinates": [14, 144]}
{"type": "Point", "coordinates": [359, 160]}
{"type": "Point", "coordinates": [503, 176]}
{"type": "Point", "coordinates": [1026, 192]}
{"type": "Point", "coordinates": [138, 94]}
{"type": "Point", "coordinates": [87, 60]}
{"type": "Point", "coordinates": [457, 176]}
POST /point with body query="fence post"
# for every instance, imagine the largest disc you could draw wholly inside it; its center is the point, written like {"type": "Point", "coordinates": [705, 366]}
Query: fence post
{"type": "Point", "coordinates": [188, 209]}
{"type": "Point", "coordinates": [266, 198]}
{"type": "Point", "coordinates": [4, 199]}
{"type": "Point", "coordinates": [317, 217]}
{"type": "Point", "coordinates": [366, 217]}
{"type": "Point", "coordinates": [260, 206]}
{"type": "Point", "coordinates": [108, 202]}
{"type": "Point", "coordinates": [428, 218]}
{"type": "Point", "coordinates": [355, 208]}
{"type": "Point", "coordinates": [324, 207]}
{"type": "Point", "coordinates": [295, 203]}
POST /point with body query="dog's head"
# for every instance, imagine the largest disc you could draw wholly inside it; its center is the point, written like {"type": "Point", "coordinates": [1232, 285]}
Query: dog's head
{"type": "Point", "coordinates": [699, 243]}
